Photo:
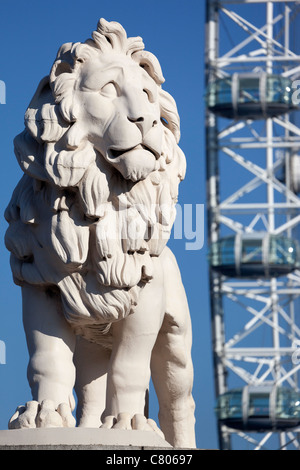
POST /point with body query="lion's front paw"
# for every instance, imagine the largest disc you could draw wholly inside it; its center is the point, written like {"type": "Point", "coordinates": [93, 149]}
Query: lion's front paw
{"type": "Point", "coordinates": [25, 416]}
{"type": "Point", "coordinates": [125, 421]}
{"type": "Point", "coordinates": [44, 415]}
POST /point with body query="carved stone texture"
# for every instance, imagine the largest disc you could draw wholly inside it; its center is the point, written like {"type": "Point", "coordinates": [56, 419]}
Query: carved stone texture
{"type": "Point", "coordinates": [103, 301]}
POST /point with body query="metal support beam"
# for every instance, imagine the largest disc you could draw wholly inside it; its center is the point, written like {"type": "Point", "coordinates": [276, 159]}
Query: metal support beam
{"type": "Point", "coordinates": [245, 310]}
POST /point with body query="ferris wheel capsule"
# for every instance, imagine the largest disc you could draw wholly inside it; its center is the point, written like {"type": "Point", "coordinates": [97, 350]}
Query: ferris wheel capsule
{"type": "Point", "coordinates": [256, 254]}
{"type": "Point", "coordinates": [250, 96]}
{"type": "Point", "coordinates": [259, 408]}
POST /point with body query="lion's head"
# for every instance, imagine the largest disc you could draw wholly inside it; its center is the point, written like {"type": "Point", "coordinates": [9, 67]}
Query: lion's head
{"type": "Point", "coordinates": [102, 168]}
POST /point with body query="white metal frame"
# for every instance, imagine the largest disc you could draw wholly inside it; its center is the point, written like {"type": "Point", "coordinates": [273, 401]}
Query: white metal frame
{"type": "Point", "coordinates": [268, 304]}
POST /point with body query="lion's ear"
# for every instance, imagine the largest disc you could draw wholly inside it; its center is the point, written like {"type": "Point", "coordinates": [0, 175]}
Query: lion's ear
{"type": "Point", "coordinates": [42, 118]}
{"type": "Point", "coordinates": [63, 76]}
{"type": "Point", "coordinates": [63, 63]}
{"type": "Point", "coordinates": [150, 63]}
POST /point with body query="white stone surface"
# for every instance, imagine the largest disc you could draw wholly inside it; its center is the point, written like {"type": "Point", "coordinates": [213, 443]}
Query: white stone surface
{"type": "Point", "coordinates": [79, 438]}
{"type": "Point", "coordinates": [103, 302]}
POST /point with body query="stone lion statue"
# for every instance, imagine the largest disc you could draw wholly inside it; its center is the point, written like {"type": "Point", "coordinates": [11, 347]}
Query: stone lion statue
{"type": "Point", "coordinates": [103, 302]}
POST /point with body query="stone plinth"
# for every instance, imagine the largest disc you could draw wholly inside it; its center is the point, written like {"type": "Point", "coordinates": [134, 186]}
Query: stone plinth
{"type": "Point", "coordinates": [80, 439]}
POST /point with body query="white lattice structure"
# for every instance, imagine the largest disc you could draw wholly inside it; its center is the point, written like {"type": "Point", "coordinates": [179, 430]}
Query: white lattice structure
{"type": "Point", "coordinates": [251, 188]}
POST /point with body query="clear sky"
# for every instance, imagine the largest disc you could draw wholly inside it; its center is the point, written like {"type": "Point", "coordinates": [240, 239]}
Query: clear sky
{"type": "Point", "coordinates": [30, 34]}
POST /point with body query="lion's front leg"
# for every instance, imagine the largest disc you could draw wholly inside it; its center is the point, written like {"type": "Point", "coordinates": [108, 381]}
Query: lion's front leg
{"type": "Point", "coordinates": [129, 369]}
{"type": "Point", "coordinates": [51, 372]}
{"type": "Point", "coordinates": [172, 368]}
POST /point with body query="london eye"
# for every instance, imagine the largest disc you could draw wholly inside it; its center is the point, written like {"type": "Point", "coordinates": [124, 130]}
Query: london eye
{"type": "Point", "coordinates": [253, 188]}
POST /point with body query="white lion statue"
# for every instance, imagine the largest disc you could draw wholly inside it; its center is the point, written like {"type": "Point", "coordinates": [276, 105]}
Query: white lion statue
{"type": "Point", "coordinates": [103, 302]}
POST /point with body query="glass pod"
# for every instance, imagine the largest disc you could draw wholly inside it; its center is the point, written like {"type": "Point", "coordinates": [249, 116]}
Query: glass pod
{"type": "Point", "coordinates": [254, 255]}
{"type": "Point", "coordinates": [250, 96]}
{"type": "Point", "coordinates": [259, 408]}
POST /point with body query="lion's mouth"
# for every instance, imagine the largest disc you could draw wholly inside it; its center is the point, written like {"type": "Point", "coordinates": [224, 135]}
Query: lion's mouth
{"type": "Point", "coordinates": [134, 163]}
{"type": "Point", "coordinates": [116, 154]}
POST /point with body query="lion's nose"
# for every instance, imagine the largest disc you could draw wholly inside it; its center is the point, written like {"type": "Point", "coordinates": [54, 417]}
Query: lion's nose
{"type": "Point", "coordinates": [144, 123]}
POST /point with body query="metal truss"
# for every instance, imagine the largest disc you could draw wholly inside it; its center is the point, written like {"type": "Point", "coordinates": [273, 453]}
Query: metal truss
{"type": "Point", "coordinates": [255, 323]}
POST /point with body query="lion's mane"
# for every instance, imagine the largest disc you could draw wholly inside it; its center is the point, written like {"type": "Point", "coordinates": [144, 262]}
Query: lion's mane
{"type": "Point", "coordinates": [76, 226]}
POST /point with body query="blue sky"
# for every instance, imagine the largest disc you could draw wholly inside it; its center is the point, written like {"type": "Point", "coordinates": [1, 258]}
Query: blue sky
{"type": "Point", "coordinates": [30, 34]}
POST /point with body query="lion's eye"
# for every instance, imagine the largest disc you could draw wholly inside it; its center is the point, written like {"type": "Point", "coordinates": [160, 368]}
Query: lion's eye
{"type": "Point", "coordinates": [109, 90]}
{"type": "Point", "coordinates": [149, 95]}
